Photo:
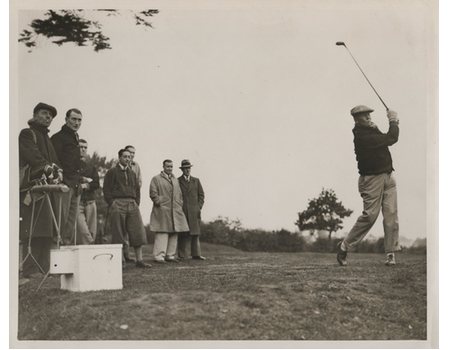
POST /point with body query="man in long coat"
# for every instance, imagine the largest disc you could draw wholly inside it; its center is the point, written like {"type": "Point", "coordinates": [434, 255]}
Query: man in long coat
{"type": "Point", "coordinates": [37, 152]}
{"type": "Point", "coordinates": [193, 199]}
{"type": "Point", "coordinates": [167, 218]}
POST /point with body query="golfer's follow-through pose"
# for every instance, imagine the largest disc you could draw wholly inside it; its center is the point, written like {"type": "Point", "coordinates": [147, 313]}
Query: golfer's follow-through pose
{"type": "Point", "coordinates": [376, 182]}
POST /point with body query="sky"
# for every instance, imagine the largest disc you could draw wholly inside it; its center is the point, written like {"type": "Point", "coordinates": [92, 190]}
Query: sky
{"type": "Point", "coordinates": [256, 95]}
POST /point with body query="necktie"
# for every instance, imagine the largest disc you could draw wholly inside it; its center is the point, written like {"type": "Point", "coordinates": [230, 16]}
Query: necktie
{"type": "Point", "coordinates": [126, 176]}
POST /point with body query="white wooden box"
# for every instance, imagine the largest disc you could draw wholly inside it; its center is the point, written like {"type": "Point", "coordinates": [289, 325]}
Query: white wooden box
{"type": "Point", "coordinates": [88, 267]}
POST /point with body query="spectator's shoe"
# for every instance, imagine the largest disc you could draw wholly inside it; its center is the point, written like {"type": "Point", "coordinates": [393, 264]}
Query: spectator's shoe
{"type": "Point", "coordinates": [142, 264]}
{"type": "Point", "coordinates": [341, 255]}
{"type": "Point", "coordinates": [129, 260]}
{"type": "Point", "coordinates": [159, 261]}
{"type": "Point", "coordinates": [198, 257]}
{"type": "Point", "coordinates": [172, 260]}
{"type": "Point", "coordinates": [390, 260]}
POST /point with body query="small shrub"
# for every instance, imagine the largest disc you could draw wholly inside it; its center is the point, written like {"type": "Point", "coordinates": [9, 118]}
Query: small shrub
{"type": "Point", "coordinates": [228, 232]}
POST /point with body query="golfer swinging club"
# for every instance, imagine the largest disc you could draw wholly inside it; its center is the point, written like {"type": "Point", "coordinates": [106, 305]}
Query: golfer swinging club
{"type": "Point", "coordinates": [376, 182]}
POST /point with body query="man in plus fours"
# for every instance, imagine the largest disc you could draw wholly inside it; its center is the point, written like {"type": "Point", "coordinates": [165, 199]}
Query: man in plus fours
{"type": "Point", "coordinates": [87, 214]}
{"type": "Point", "coordinates": [376, 183]}
{"type": "Point", "coordinates": [67, 148]}
{"type": "Point", "coordinates": [121, 192]}
{"type": "Point", "coordinates": [193, 199]}
{"type": "Point", "coordinates": [137, 170]}
{"type": "Point", "coordinates": [37, 157]}
{"type": "Point", "coordinates": [167, 218]}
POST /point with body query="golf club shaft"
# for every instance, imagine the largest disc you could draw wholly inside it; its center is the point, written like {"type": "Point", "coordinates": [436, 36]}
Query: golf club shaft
{"type": "Point", "coordinates": [366, 78]}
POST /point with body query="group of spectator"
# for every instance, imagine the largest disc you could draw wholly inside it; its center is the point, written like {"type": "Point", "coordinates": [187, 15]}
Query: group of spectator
{"type": "Point", "coordinates": [177, 202]}
{"type": "Point", "coordinates": [62, 160]}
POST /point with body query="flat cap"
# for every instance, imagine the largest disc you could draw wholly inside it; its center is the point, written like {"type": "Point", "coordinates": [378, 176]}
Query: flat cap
{"type": "Point", "coordinates": [360, 109]}
{"type": "Point", "coordinates": [42, 105]}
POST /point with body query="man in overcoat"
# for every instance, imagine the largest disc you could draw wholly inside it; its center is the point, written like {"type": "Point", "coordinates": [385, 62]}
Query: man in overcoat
{"type": "Point", "coordinates": [121, 192]}
{"type": "Point", "coordinates": [37, 152]}
{"type": "Point", "coordinates": [67, 148]}
{"type": "Point", "coordinates": [193, 199]}
{"type": "Point", "coordinates": [167, 218]}
{"type": "Point", "coordinates": [376, 184]}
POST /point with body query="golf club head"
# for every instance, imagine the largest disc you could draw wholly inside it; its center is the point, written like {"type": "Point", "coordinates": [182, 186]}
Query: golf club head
{"type": "Point", "coordinates": [340, 43]}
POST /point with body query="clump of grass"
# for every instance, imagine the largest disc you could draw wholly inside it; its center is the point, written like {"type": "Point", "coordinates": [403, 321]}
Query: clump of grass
{"type": "Point", "coordinates": [402, 277]}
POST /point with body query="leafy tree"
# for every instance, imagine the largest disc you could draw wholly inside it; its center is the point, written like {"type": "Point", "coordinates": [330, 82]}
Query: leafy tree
{"type": "Point", "coordinates": [64, 26]}
{"type": "Point", "coordinates": [323, 213]}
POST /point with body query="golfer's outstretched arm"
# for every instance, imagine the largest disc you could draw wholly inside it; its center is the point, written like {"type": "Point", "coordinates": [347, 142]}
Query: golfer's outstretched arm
{"type": "Point", "coordinates": [379, 140]}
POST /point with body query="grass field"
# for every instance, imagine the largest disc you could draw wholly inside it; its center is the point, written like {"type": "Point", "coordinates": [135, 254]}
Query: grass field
{"type": "Point", "coordinates": [237, 295]}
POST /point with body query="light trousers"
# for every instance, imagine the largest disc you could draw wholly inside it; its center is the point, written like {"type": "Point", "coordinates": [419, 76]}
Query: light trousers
{"type": "Point", "coordinates": [188, 245]}
{"type": "Point", "coordinates": [165, 246]}
{"type": "Point", "coordinates": [69, 215]}
{"type": "Point", "coordinates": [379, 192]}
{"type": "Point", "coordinates": [87, 222]}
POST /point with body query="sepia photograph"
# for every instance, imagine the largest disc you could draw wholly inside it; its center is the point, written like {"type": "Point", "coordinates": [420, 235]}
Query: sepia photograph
{"type": "Point", "coordinates": [193, 173]}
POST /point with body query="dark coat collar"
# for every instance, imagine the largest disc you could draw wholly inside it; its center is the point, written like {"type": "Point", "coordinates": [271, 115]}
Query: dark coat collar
{"type": "Point", "coordinates": [68, 130]}
{"type": "Point", "coordinates": [119, 167]}
{"type": "Point", "coordinates": [38, 127]}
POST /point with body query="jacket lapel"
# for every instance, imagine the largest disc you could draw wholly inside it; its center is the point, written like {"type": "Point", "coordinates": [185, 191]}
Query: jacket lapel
{"type": "Point", "coordinates": [165, 177]}
{"type": "Point", "coordinates": [183, 183]}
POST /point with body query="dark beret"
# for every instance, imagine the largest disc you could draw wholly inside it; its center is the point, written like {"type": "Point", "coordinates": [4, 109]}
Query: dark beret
{"type": "Point", "coordinates": [49, 108]}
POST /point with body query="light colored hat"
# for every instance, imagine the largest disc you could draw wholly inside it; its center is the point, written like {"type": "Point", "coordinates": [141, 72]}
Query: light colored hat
{"type": "Point", "coordinates": [360, 109]}
{"type": "Point", "coordinates": [186, 164]}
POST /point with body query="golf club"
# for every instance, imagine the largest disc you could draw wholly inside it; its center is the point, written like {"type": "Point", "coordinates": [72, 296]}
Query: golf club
{"type": "Point", "coordinates": [341, 43]}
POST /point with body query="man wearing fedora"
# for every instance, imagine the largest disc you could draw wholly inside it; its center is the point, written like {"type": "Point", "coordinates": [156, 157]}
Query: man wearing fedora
{"type": "Point", "coordinates": [376, 183]}
{"type": "Point", "coordinates": [193, 199]}
{"type": "Point", "coordinates": [37, 157]}
{"type": "Point", "coordinates": [167, 218]}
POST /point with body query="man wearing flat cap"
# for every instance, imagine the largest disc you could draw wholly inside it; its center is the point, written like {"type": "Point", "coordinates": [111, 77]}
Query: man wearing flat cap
{"type": "Point", "coordinates": [193, 199]}
{"type": "Point", "coordinates": [376, 183]}
{"type": "Point", "coordinates": [66, 144]}
{"type": "Point", "coordinates": [37, 157]}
